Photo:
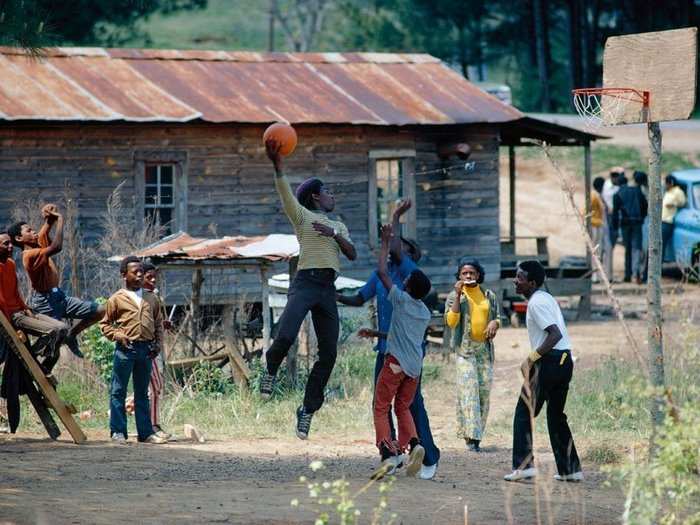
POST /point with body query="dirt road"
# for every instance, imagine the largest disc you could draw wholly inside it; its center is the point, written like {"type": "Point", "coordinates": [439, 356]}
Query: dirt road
{"type": "Point", "coordinates": [253, 481]}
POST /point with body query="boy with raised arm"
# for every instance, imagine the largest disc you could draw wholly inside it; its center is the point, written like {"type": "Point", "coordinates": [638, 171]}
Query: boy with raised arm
{"type": "Point", "coordinates": [47, 297]}
{"type": "Point", "coordinates": [398, 378]}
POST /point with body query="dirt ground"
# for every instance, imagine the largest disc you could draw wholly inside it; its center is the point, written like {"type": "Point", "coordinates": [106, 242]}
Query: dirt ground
{"type": "Point", "coordinates": [253, 481]}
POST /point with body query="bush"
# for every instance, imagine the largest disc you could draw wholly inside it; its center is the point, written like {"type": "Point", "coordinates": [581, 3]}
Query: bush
{"type": "Point", "coordinates": [207, 378]}
{"type": "Point", "coordinates": [100, 351]}
{"type": "Point", "coordinates": [666, 489]}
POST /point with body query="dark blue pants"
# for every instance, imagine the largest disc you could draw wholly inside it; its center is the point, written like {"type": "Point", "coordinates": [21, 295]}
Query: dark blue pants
{"type": "Point", "coordinates": [420, 419]}
{"type": "Point", "coordinates": [128, 362]}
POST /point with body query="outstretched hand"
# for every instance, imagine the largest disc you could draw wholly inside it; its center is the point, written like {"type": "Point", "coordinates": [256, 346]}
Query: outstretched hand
{"type": "Point", "coordinates": [272, 148]}
{"type": "Point", "coordinates": [402, 207]}
{"type": "Point", "coordinates": [386, 232]}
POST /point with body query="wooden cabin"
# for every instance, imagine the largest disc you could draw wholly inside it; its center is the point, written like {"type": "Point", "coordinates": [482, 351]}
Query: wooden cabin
{"type": "Point", "coordinates": [182, 130]}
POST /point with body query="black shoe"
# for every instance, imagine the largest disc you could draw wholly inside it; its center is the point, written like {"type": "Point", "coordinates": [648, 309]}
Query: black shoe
{"type": "Point", "coordinates": [473, 445]}
{"type": "Point", "coordinates": [303, 422]}
{"type": "Point", "coordinates": [71, 342]}
{"type": "Point", "coordinates": [267, 385]}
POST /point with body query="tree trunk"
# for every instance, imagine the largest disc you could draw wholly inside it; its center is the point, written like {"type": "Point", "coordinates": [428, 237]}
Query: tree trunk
{"type": "Point", "coordinates": [462, 50]}
{"type": "Point", "coordinates": [575, 62]}
{"type": "Point", "coordinates": [540, 15]}
{"type": "Point", "coordinates": [654, 315]}
{"type": "Point", "coordinates": [271, 26]}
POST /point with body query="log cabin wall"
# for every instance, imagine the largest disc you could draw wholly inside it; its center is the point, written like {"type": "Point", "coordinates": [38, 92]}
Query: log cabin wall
{"type": "Point", "coordinates": [229, 184]}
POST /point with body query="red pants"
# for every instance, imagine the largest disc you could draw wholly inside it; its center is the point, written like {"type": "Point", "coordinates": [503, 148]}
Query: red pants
{"type": "Point", "coordinates": [399, 388]}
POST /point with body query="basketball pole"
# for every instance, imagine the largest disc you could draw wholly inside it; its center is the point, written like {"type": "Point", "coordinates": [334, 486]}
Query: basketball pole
{"type": "Point", "coordinates": [654, 315]}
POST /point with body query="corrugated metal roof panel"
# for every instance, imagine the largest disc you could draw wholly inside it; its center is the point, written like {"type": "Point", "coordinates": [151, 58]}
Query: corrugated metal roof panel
{"type": "Point", "coordinates": [182, 247]}
{"type": "Point", "coordinates": [220, 86]}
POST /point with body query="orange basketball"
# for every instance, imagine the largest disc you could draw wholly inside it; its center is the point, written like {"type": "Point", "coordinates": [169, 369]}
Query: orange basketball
{"type": "Point", "coordinates": [284, 134]}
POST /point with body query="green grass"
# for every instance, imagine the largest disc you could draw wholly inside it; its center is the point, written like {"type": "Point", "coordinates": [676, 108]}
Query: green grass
{"type": "Point", "coordinates": [221, 410]}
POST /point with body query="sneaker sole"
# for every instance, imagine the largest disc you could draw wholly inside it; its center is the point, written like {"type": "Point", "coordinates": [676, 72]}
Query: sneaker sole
{"type": "Point", "coordinates": [265, 396]}
{"type": "Point", "coordinates": [415, 461]}
{"type": "Point", "coordinates": [302, 436]}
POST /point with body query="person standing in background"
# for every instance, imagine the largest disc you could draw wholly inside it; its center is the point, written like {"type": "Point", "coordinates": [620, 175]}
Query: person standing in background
{"type": "Point", "coordinates": [610, 188]}
{"type": "Point", "coordinates": [674, 198]}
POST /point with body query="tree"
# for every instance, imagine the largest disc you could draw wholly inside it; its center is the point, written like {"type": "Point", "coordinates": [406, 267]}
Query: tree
{"type": "Point", "coordinates": [36, 23]}
{"type": "Point", "coordinates": [301, 21]}
{"type": "Point", "coordinates": [22, 25]}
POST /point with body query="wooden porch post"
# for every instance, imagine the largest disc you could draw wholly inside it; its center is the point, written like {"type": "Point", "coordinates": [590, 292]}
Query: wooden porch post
{"type": "Point", "coordinates": [511, 189]}
{"type": "Point", "coordinates": [197, 281]}
{"type": "Point", "coordinates": [584, 306]}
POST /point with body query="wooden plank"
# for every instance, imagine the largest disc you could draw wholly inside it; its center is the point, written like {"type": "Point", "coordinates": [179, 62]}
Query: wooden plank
{"type": "Point", "coordinates": [37, 374]}
{"type": "Point", "coordinates": [187, 362]}
{"type": "Point", "coordinates": [42, 411]}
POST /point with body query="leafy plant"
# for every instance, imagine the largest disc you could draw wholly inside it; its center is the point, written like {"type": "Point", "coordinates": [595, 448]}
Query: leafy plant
{"type": "Point", "coordinates": [207, 378]}
{"type": "Point", "coordinates": [100, 351]}
{"type": "Point", "coordinates": [334, 502]}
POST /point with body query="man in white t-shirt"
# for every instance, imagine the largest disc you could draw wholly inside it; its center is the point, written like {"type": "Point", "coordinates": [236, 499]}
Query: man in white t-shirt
{"type": "Point", "coordinates": [547, 370]}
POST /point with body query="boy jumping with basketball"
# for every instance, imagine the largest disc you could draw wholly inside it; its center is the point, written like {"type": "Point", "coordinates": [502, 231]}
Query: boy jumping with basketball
{"type": "Point", "coordinates": [398, 379]}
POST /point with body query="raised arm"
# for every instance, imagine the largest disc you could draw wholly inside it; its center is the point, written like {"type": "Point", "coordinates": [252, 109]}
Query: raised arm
{"type": "Point", "coordinates": [291, 205]}
{"type": "Point", "coordinates": [395, 244]}
{"type": "Point", "coordinates": [382, 271]}
{"type": "Point", "coordinates": [51, 217]}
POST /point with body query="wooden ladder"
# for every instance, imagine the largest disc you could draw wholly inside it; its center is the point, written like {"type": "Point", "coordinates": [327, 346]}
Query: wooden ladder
{"type": "Point", "coordinates": [47, 390]}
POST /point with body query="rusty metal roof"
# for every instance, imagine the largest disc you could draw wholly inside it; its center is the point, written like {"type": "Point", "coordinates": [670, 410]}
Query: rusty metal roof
{"type": "Point", "coordinates": [183, 247]}
{"type": "Point", "coordinates": [149, 85]}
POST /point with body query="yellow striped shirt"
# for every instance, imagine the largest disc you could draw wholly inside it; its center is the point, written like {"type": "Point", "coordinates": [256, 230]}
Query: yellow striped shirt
{"type": "Point", "coordinates": [316, 250]}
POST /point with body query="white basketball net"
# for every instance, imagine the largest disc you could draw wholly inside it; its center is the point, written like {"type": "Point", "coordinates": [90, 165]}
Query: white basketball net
{"type": "Point", "coordinates": [607, 108]}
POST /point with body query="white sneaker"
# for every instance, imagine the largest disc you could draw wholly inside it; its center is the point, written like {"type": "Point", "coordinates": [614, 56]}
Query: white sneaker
{"type": "Point", "coordinates": [576, 476]}
{"type": "Point", "coordinates": [415, 461]}
{"type": "Point", "coordinates": [427, 472]}
{"type": "Point", "coordinates": [518, 474]}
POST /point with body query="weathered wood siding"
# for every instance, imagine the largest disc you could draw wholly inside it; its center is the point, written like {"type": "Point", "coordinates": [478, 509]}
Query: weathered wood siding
{"type": "Point", "coordinates": [230, 185]}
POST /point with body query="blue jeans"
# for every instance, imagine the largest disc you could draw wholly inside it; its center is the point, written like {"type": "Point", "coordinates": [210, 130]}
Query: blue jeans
{"type": "Point", "coordinates": [127, 362]}
{"type": "Point", "coordinates": [420, 418]}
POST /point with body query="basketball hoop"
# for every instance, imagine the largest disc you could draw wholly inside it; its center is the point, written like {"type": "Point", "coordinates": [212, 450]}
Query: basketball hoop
{"type": "Point", "coordinates": [610, 106]}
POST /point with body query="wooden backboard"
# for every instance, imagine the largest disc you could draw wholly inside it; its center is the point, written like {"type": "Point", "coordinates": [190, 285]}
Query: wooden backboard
{"type": "Point", "coordinates": [664, 63]}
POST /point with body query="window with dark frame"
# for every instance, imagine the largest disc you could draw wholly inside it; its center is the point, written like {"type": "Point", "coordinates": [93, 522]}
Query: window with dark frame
{"type": "Point", "coordinates": [159, 201]}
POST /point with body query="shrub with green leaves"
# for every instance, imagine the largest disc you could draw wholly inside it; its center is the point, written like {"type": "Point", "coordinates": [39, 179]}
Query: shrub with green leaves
{"type": "Point", "coordinates": [100, 351]}
{"type": "Point", "coordinates": [207, 378]}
